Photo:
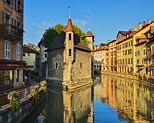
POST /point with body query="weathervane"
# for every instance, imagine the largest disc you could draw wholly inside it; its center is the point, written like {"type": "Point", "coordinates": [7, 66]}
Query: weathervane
{"type": "Point", "coordinates": [69, 13]}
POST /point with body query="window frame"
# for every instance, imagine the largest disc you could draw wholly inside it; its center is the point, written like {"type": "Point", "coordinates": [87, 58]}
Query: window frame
{"type": "Point", "coordinates": [7, 49]}
{"type": "Point", "coordinates": [18, 51]}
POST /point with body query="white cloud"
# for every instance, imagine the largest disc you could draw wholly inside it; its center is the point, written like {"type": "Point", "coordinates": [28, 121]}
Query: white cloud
{"type": "Point", "coordinates": [81, 22]}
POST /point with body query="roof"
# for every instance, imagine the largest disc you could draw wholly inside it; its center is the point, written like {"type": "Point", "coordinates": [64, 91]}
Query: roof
{"type": "Point", "coordinates": [89, 34]}
{"type": "Point", "coordinates": [32, 46]}
{"type": "Point", "coordinates": [59, 42]}
{"type": "Point", "coordinates": [69, 26]}
{"type": "Point", "coordinates": [28, 50]}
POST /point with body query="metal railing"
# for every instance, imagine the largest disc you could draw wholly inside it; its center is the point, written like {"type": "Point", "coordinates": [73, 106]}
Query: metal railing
{"type": "Point", "coordinates": [11, 32]}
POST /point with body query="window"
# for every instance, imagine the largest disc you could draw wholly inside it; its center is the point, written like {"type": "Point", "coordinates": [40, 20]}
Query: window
{"type": "Point", "coordinates": [45, 55]}
{"type": "Point", "coordinates": [18, 51]}
{"type": "Point", "coordinates": [70, 36]}
{"type": "Point", "coordinates": [56, 66]}
{"type": "Point", "coordinates": [69, 52]}
{"type": "Point", "coordinates": [19, 6]}
{"type": "Point", "coordinates": [7, 50]}
{"type": "Point", "coordinates": [138, 61]}
{"type": "Point", "coordinates": [6, 17]}
{"type": "Point", "coordinates": [81, 65]}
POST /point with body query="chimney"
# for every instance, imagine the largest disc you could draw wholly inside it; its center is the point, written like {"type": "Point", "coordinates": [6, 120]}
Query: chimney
{"type": "Point", "coordinates": [144, 23]}
{"type": "Point", "coordinates": [149, 20]}
{"type": "Point", "coordinates": [140, 26]}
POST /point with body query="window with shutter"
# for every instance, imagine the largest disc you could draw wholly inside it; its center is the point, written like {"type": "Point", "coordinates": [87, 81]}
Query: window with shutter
{"type": "Point", "coordinates": [7, 50]}
{"type": "Point", "coordinates": [18, 51]}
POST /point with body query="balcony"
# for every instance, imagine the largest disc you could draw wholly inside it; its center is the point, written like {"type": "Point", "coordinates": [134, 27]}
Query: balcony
{"type": "Point", "coordinates": [11, 32]}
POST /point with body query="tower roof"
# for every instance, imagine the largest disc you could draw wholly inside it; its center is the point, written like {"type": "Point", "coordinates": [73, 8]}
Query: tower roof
{"type": "Point", "coordinates": [89, 34]}
{"type": "Point", "coordinates": [69, 26]}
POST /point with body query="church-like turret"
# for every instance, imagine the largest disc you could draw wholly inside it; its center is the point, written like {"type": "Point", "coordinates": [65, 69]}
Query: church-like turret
{"type": "Point", "coordinates": [90, 39]}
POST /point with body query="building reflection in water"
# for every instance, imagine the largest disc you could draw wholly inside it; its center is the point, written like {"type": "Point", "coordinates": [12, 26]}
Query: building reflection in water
{"type": "Point", "coordinates": [134, 100]}
{"type": "Point", "coordinates": [70, 106]}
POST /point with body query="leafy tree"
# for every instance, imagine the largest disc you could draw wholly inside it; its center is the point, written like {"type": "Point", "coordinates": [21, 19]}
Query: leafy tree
{"type": "Point", "coordinates": [51, 33]}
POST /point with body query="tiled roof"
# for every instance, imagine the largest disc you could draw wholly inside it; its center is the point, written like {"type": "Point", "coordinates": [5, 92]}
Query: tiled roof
{"type": "Point", "coordinates": [89, 34]}
{"type": "Point", "coordinates": [29, 50]}
{"type": "Point", "coordinates": [69, 26]}
{"type": "Point", "coordinates": [32, 46]}
{"type": "Point", "coordinates": [59, 42]}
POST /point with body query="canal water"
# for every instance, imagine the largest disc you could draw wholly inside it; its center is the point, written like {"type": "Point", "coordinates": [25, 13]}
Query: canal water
{"type": "Point", "coordinates": [110, 100]}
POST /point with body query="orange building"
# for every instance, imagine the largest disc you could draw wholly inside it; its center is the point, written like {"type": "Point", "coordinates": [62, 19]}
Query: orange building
{"type": "Point", "coordinates": [112, 56]}
{"type": "Point", "coordinates": [11, 41]}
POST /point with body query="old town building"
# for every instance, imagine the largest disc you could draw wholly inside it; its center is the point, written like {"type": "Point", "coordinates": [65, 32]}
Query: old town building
{"type": "Point", "coordinates": [100, 52]}
{"type": "Point", "coordinates": [11, 41]}
{"type": "Point", "coordinates": [140, 61]}
{"type": "Point", "coordinates": [43, 59]}
{"type": "Point", "coordinates": [124, 51]}
{"type": "Point", "coordinates": [31, 57]}
{"type": "Point", "coordinates": [112, 55]}
{"type": "Point", "coordinates": [69, 59]}
{"type": "Point", "coordinates": [150, 54]}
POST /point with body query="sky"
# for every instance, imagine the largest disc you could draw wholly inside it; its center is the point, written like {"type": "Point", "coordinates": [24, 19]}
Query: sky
{"type": "Point", "coordinates": [104, 18]}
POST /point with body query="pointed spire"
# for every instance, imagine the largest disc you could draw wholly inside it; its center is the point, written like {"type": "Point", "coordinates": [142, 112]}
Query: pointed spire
{"type": "Point", "coordinates": [69, 26]}
{"type": "Point", "coordinates": [69, 12]}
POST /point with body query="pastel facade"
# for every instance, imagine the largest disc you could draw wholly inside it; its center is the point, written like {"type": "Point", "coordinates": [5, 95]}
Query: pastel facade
{"type": "Point", "coordinates": [140, 61]}
{"type": "Point", "coordinates": [11, 41]}
{"type": "Point", "coordinates": [100, 57]}
{"type": "Point", "coordinates": [150, 54]}
{"type": "Point", "coordinates": [31, 57]}
{"type": "Point", "coordinates": [112, 56]}
{"type": "Point", "coordinates": [124, 51]}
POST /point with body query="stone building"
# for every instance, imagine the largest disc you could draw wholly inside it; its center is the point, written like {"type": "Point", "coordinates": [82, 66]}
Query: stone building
{"type": "Point", "coordinates": [69, 59]}
{"type": "Point", "coordinates": [11, 41]}
{"type": "Point", "coordinates": [43, 59]}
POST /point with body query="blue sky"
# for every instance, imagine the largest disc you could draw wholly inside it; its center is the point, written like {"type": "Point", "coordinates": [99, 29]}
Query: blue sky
{"type": "Point", "coordinates": [103, 17]}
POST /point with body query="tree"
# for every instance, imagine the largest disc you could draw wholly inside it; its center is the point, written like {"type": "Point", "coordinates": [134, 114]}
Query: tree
{"type": "Point", "coordinates": [51, 33]}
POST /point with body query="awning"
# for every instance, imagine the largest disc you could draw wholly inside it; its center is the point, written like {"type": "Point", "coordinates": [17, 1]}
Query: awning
{"type": "Point", "coordinates": [139, 65]}
{"type": "Point", "coordinates": [12, 64]}
{"type": "Point", "coordinates": [143, 67]}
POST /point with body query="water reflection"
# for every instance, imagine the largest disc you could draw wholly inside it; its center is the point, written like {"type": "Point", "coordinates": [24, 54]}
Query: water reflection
{"type": "Point", "coordinates": [70, 106]}
{"type": "Point", "coordinates": [115, 100]}
{"type": "Point", "coordinates": [133, 100]}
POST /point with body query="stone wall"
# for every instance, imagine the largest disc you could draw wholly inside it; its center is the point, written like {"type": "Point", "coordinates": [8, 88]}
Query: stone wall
{"type": "Point", "coordinates": [55, 64]}
{"type": "Point", "coordinates": [81, 69]}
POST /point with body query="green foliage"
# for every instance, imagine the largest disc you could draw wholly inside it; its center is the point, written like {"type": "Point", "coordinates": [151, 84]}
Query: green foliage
{"type": "Point", "coordinates": [51, 33]}
{"type": "Point", "coordinates": [14, 98]}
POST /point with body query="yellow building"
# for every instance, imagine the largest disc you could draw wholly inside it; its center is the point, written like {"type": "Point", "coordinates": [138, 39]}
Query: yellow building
{"type": "Point", "coordinates": [150, 54]}
{"type": "Point", "coordinates": [124, 51]}
{"type": "Point", "coordinates": [11, 41]}
{"type": "Point", "coordinates": [140, 61]}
